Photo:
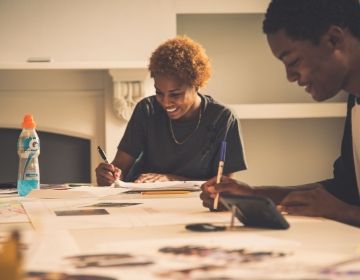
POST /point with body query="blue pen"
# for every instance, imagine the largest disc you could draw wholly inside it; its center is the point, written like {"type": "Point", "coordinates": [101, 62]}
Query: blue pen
{"type": "Point", "coordinates": [220, 171]}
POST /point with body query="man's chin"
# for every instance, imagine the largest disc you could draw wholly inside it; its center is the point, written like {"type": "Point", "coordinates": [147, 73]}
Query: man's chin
{"type": "Point", "coordinates": [323, 95]}
{"type": "Point", "coordinates": [319, 97]}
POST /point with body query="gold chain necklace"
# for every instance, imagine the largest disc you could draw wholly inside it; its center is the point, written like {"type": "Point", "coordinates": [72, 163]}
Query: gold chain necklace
{"type": "Point", "coordinates": [191, 133]}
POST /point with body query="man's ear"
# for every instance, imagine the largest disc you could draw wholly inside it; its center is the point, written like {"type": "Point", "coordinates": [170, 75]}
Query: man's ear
{"type": "Point", "coordinates": [335, 36]}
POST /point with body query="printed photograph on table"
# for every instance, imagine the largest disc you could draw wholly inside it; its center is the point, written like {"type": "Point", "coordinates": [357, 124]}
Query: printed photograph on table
{"type": "Point", "coordinates": [235, 255]}
{"type": "Point", "coordinates": [188, 273]}
{"type": "Point", "coordinates": [113, 204]}
{"type": "Point", "coordinates": [239, 256]}
{"type": "Point", "coordinates": [344, 269]}
{"type": "Point", "coordinates": [38, 275]}
{"type": "Point", "coordinates": [83, 212]}
{"type": "Point", "coordinates": [107, 260]}
{"type": "Point", "coordinates": [214, 262]}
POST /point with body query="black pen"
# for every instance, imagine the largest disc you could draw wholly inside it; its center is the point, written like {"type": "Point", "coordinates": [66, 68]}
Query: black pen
{"type": "Point", "coordinates": [102, 154]}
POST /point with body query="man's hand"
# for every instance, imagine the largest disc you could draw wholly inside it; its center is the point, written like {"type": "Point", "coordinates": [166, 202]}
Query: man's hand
{"type": "Point", "coordinates": [228, 185]}
{"type": "Point", "coordinates": [106, 174]}
{"type": "Point", "coordinates": [315, 202]}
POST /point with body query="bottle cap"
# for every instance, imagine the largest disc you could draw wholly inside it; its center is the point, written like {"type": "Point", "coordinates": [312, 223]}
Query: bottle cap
{"type": "Point", "coordinates": [28, 122]}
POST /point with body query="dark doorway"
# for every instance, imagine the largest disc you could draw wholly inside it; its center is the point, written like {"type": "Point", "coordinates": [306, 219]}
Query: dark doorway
{"type": "Point", "coordinates": [62, 159]}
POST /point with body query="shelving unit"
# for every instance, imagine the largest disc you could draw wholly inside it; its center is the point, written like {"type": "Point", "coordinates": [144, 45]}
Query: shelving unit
{"type": "Point", "coordinates": [289, 110]}
{"type": "Point", "coordinates": [220, 7]}
{"type": "Point", "coordinates": [82, 34]}
{"type": "Point", "coordinates": [73, 65]}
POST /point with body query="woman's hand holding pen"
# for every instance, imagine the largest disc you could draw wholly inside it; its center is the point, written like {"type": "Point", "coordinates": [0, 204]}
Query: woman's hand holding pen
{"type": "Point", "coordinates": [107, 174]}
{"type": "Point", "coordinates": [228, 185]}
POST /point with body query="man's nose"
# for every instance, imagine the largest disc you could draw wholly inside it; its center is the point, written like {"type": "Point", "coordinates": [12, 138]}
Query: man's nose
{"type": "Point", "coordinates": [291, 75]}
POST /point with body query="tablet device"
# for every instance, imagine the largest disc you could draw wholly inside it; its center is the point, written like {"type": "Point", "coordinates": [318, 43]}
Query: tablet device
{"type": "Point", "coordinates": [255, 211]}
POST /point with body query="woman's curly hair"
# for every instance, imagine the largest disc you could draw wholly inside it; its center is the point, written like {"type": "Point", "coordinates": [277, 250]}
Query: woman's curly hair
{"type": "Point", "coordinates": [182, 58]}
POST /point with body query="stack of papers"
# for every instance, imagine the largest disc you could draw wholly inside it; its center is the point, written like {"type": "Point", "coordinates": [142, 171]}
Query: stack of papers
{"type": "Point", "coordinates": [8, 192]}
{"type": "Point", "coordinates": [161, 186]}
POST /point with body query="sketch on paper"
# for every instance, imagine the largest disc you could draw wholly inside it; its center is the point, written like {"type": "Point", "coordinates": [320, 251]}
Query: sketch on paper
{"type": "Point", "coordinates": [12, 212]}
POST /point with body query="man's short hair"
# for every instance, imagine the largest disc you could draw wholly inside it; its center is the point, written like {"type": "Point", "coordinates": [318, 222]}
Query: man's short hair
{"type": "Point", "coordinates": [310, 19]}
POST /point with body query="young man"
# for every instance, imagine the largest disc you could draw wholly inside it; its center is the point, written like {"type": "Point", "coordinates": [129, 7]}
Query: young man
{"type": "Point", "coordinates": [319, 44]}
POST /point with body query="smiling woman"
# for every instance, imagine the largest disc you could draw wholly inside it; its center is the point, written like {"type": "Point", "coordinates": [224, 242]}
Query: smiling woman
{"type": "Point", "coordinates": [176, 134]}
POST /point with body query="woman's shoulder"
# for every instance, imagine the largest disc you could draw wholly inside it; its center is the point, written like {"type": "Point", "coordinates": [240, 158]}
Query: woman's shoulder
{"type": "Point", "coordinates": [148, 106]}
{"type": "Point", "coordinates": [214, 107]}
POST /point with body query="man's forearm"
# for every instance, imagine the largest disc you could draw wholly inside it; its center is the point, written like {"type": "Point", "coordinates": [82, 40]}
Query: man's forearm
{"type": "Point", "coordinates": [349, 215]}
{"type": "Point", "coordinates": [277, 193]}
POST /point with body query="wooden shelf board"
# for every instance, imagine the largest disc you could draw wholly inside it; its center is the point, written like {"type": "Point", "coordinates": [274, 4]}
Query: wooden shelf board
{"type": "Point", "coordinates": [289, 110]}
{"type": "Point", "coordinates": [72, 65]}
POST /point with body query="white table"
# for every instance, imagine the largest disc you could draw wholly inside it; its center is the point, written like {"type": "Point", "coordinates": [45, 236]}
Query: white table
{"type": "Point", "coordinates": [311, 244]}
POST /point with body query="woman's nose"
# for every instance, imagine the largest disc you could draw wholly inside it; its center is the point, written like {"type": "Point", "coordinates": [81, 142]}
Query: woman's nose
{"type": "Point", "coordinates": [166, 100]}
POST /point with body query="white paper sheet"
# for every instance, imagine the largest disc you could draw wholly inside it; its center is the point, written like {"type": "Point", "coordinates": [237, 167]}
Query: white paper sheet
{"type": "Point", "coordinates": [75, 193]}
{"type": "Point", "coordinates": [100, 191]}
{"type": "Point", "coordinates": [48, 249]}
{"type": "Point", "coordinates": [150, 212]}
{"type": "Point", "coordinates": [170, 185]}
{"type": "Point", "coordinates": [59, 194]}
{"type": "Point", "coordinates": [8, 192]}
{"type": "Point", "coordinates": [295, 264]}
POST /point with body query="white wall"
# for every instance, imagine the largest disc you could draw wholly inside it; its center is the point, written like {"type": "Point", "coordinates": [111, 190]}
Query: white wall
{"type": "Point", "coordinates": [66, 102]}
{"type": "Point", "coordinates": [83, 30]}
{"type": "Point", "coordinates": [115, 127]}
{"type": "Point", "coordinates": [70, 102]}
{"type": "Point", "coordinates": [244, 71]}
{"type": "Point", "coordinates": [94, 34]}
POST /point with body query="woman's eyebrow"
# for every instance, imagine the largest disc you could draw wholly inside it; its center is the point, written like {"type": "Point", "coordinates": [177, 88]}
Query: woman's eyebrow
{"type": "Point", "coordinates": [171, 90]}
{"type": "Point", "coordinates": [176, 89]}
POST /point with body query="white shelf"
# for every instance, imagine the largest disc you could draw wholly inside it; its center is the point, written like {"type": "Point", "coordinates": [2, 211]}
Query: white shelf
{"type": "Point", "coordinates": [289, 111]}
{"type": "Point", "coordinates": [95, 65]}
{"type": "Point", "coordinates": [220, 7]}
